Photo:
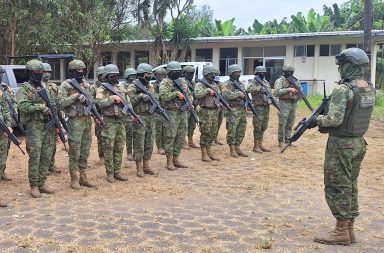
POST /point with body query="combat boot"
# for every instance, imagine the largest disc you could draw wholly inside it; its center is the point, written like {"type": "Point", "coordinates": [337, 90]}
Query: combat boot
{"type": "Point", "coordinates": [4, 176]}
{"type": "Point", "coordinates": [130, 157]}
{"type": "Point", "coordinates": [218, 142]}
{"type": "Point", "coordinates": [74, 180]}
{"type": "Point", "coordinates": [211, 155]}
{"type": "Point", "coordinates": [186, 146]}
{"type": "Point", "coordinates": [281, 144]}
{"type": "Point", "coordinates": [46, 189]}
{"type": "Point", "coordinates": [84, 181]}
{"type": "Point", "coordinates": [35, 192]}
{"type": "Point", "coordinates": [240, 152]}
{"type": "Point", "coordinates": [351, 231]}
{"type": "Point", "coordinates": [256, 147]}
{"type": "Point", "coordinates": [147, 169]}
{"type": "Point", "coordinates": [204, 156]}
{"type": "Point", "coordinates": [161, 151]}
{"type": "Point", "coordinates": [339, 236]}
{"type": "Point", "coordinates": [111, 178]}
{"type": "Point", "coordinates": [101, 161]}
{"type": "Point", "coordinates": [170, 165]}
{"type": "Point", "coordinates": [177, 163]}
{"type": "Point", "coordinates": [2, 203]}
{"type": "Point", "coordinates": [139, 169]}
{"type": "Point", "coordinates": [191, 143]}
{"type": "Point", "coordinates": [120, 177]}
{"type": "Point", "coordinates": [233, 151]}
{"type": "Point", "coordinates": [54, 170]}
{"type": "Point", "coordinates": [264, 149]}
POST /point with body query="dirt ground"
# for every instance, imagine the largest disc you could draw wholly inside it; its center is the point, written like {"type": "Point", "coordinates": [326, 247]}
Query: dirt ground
{"type": "Point", "coordinates": [268, 202]}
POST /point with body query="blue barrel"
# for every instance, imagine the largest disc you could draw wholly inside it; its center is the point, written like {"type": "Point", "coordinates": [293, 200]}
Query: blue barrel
{"type": "Point", "coordinates": [304, 86]}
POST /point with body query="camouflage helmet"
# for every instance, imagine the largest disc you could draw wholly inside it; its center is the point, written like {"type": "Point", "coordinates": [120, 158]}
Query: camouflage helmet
{"type": "Point", "coordinates": [354, 55]}
{"type": "Point", "coordinates": [173, 66]}
{"type": "Point", "coordinates": [47, 67]}
{"type": "Point", "coordinates": [99, 70]}
{"type": "Point", "coordinates": [160, 71]}
{"type": "Point", "coordinates": [110, 69]}
{"type": "Point", "coordinates": [144, 68]}
{"type": "Point", "coordinates": [34, 65]}
{"type": "Point", "coordinates": [189, 69]}
{"type": "Point", "coordinates": [209, 69]}
{"type": "Point", "coordinates": [234, 68]}
{"type": "Point", "coordinates": [76, 64]}
{"type": "Point", "coordinates": [129, 71]}
{"type": "Point", "coordinates": [288, 67]}
{"type": "Point", "coordinates": [2, 70]}
{"type": "Point", "coordinates": [260, 69]}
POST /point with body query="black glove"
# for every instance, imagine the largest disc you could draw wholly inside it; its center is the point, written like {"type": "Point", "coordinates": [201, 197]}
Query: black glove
{"type": "Point", "coordinates": [312, 122]}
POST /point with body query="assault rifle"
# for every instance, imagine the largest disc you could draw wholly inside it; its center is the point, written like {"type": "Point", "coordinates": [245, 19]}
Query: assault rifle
{"type": "Point", "coordinates": [90, 107]}
{"type": "Point", "coordinates": [219, 99]}
{"type": "Point", "coordinates": [125, 107]}
{"type": "Point", "coordinates": [305, 123]}
{"type": "Point", "coordinates": [188, 104]}
{"type": "Point", "coordinates": [12, 110]}
{"type": "Point", "coordinates": [268, 93]}
{"type": "Point", "coordinates": [300, 93]}
{"type": "Point", "coordinates": [54, 118]}
{"type": "Point", "coordinates": [156, 107]}
{"type": "Point", "coordinates": [248, 102]}
{"type": "Point", "coordinates": [11, 136]}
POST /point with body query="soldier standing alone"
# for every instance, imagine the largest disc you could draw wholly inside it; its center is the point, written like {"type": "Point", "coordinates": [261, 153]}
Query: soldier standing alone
{"type": "Point", "coordinates": [261, 105]}
{"type": "Point", "coordinates": [346, 120]}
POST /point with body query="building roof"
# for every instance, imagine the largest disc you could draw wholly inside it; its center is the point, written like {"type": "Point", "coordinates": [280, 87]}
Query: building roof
{"type": "Point", "coordinates": [288, 36]}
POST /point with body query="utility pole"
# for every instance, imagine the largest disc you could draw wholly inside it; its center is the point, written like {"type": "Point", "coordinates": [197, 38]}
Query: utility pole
{"type": "Point", "coordinates": [368, 34]}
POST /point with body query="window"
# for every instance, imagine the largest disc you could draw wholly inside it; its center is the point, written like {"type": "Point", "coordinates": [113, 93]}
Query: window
{"type": "Point", "coordinates": [141, 57]}
{"type": "Point", "coordinates": [355, 45]}
{"type": "Point", "coordinates": [228, 56]}
{"type": "Point", "coordinates": [123, 61]}
{"type": "Point", "coordinates": [204, 54]}
{"type": "Point", "coordinates": [106, 58]}
{"type": "Point", "coordinates": [55, 65]}
{"type": "Point", "coordinates": [305, 50]}
{"type": "Point", "coordinates": [330, 50]}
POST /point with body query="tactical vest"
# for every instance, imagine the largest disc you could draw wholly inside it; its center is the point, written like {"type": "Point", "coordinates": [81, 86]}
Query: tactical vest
{"type": "Point", "coordinates": [33, 98]}
{"type": "Point", "coordinates": [289, 96]}
{"type": "Point", "coordinates": [258, 98]}
{"type": "Point", "coordinates": [114, 110]}
{"type": "Point", "coordinates": [77, 108]}
{"type": "Point", "coordinates": [208, 101]}
{"type": "Point", "coordinates": [175, 103]}
{"type": "Point", "coordinates": [358, 112]}
{"type": "Point", "coordinates": [143, 107]}
{"type": "Point", "coordinates": [238, 102]}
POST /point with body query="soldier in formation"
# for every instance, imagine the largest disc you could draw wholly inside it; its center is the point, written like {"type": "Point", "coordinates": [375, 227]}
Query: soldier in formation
{"type": "Point", "coordinates": [143, 137]}
{"type": "Point", "coordinates": [160, 74]}
{"type": "Point", "coordinates": [130, 75]}
{"type": "Point", "coordinates": [73, 103]}
{"type": "Point", "coordinates": [288, 98]}
{"type": "Point", "coordinates": [98, 127]}
{"type": "Point", "coordinates": [261, 104]}
{"type": "Point", "coordinates": [237, 120]}
{"type": "Point", "coordinates": [173, 100]}
{"type": "Point", "coordinates": [109, 97]}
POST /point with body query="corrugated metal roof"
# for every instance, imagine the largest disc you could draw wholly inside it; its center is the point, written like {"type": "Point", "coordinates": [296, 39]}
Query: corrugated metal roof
{"type": "Point", "coordinates": [288, 36]}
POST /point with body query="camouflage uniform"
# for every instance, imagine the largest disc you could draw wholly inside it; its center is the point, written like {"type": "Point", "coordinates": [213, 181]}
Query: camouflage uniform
{"type": "Point", "coordinates": [4, 143]}
{"type": "Point", "coordinates": [346, 120]}
{"type": "Point", "coordinates": [39, 141]}
{"type": "Point", "coordinates": [236, 122]}
{"type": "Point", "coordinates": [128, 127]}
{"type": "Point", "coordinates": [261, 104]}
{"type": "Point", "coordinates": [98, 127]}
{"type": "Point", "coordinates": [159, 128]}
{"type": "Point", "coordinates": [174, 137]}
{"type": "Point", "coordinates": [191, 123]}
{"type": "Point", "coordinates": [288, 105]}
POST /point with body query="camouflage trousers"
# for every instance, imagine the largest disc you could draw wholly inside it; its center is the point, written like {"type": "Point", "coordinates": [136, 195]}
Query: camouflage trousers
{"type": "Point", "coordinates": [159, 128]}
{"type": "Point", "coordinates": [79, 142]}
{"type": "Point", "coordinates": [236, 125]}
{"type": "Point", "coordinates": [343, 158]}
{"type": "Point", "coordinates": [100, 148]}
{"type": "Point", "coordinates": [39, 142]}
{"type": "Point", "coordinates": [260, 123]}
{"type": "Point", "coordinates": [129, 136]}
{"type": "Point", "coordinates": [191, 124]}
{"type": "Point", "coordinates": [113, 136]}
{"type": "Point", "coordinates": [219, 121]}
{"type": "Point", "coordinates": [208, 126]}
{"type": "Point", "coordinates": [143, 139]}
{"type": "Point", "coordinates": [52, 163]}
{"type": "Point", "coordinates": [3, 152]}
{"type": "Point", "coordinates": [175, 137]}
{"type": "Point", "coordinates": [286, 120]}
